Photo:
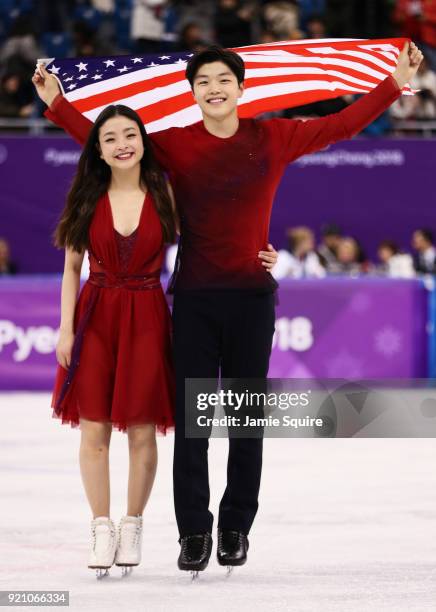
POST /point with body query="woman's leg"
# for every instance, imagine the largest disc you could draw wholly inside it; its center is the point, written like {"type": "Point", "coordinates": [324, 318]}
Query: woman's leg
{"type": "Point", "coordinates": [142, 466]}
{"type": "Point", "coordinates": [94, 464]}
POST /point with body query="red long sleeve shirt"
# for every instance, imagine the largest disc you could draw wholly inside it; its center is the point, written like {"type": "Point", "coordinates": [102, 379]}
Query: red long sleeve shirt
{"type": "Point", "coordinates": [225, 187]}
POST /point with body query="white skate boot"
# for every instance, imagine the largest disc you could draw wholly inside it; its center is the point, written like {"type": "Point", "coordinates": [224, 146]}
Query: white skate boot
{"type": "Point", "coordinates": [129, 548]}
{"type": "Point", "coordinates": [104, 545]}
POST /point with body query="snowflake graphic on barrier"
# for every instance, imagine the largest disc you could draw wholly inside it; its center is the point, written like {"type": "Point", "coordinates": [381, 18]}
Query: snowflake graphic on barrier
{"type": "Point", "coordinates": [388, 341]}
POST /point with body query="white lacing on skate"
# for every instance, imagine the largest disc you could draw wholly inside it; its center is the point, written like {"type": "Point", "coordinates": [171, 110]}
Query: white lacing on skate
{"type": "Point", "coordinates": [94, 534]}
{"type": "Point", "coordinates": [134, 534]}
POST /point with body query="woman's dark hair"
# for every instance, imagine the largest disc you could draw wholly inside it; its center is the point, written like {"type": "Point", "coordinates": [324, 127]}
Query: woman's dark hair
{"type": "Point", "coordinates": [390, 245]}
{"type": "Point", "coordinates": [92, 180]}
{"type": "Point", "coordinates": [215, 53]}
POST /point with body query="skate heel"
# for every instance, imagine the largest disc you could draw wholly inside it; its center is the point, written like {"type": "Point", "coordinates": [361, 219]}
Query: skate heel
{"type": "Point", "coordinates": [103, 547]}
{"type": "Point", "coordinates": [129, 548]}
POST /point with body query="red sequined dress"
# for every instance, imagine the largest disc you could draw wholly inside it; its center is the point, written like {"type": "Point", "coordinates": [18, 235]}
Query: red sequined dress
{"type": "Point", "coordinates": [121, 367]}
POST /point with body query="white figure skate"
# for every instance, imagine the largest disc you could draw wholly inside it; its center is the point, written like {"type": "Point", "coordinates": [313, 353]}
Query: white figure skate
{"type": "Point", "coordinates": [104, 545]}
{"type": "Point", "coordinates": [128, 553]}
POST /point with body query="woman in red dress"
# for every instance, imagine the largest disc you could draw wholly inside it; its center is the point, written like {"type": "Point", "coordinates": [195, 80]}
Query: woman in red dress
{"type": "Point", "coordinates": [114, 350]}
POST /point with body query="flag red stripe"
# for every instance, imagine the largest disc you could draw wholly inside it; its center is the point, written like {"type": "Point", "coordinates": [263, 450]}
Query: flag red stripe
{"type": "Point", "coordinates": [113, 95]}
{"type": "Point", "coordinates": [158, 110]}
{"type": "Point", "coordinates": [351, 44]}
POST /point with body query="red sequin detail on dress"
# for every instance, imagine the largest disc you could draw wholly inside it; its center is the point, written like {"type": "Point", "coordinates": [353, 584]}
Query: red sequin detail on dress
{"type": "Point", "coordinates": [125, 246]}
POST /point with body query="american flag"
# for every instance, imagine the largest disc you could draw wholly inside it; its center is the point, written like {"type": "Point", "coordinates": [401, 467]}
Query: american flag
{"type": "Point", "coordinates": [278, 75]}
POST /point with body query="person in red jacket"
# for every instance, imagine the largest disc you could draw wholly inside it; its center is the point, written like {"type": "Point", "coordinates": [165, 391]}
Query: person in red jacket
{"type": "Point", "coordinates": [225, 172]}
{"type": "Point", "coordinates": [428, 30]}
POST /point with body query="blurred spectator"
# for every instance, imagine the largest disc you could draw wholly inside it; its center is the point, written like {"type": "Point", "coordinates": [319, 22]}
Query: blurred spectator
{"type": "Point", "coordinates": [21, 42]}
{"type": "Point", "coordinates": [309, 9]}
{"type": "Point", "coordinates": [282, 19]}
{"type": "Point", "coordinates": [54, 16]}
{"type": "Point", "coordinates": [425, 81]}
{"type": "Point", "coordinates": [316, 27]}
{"type": "Point", "coordinates": [105, 6]}
{"type": "Point", "coordinates": [266, 37]}
{"type": "Point", "coordinates": [232, 23]}
{"type": "Point", "coordinates": [170, 258]}
{"type": "Point", "coordinates": [393, 263]}
{"type": "Point", "coordinates": [379, 126]}
{"type": "Point", "coordinates": [301, 260]}
{"type": "Point", "coordinates": [350, 259]}
{"type": "Point", "coordinates": [15, 97]}
{"type": "Point", "coordinates": [147, 25]}
{"type": "Point", "coordinates": [202, 12]}
{"type": "Point", "coordinates": [318, 109]}
{"type": "Point", "coordinates": [87, 43]}
{"type": "Point", "coordinates": [408, 16]}
{"type": "Point", "coordinates": [328, 249]}
{"type": "Point", "coordinates": [340, 18]}
{"type": "Point", "coordinates": [191, 38]}
{"type": "Point", "coordinates": [423, 243]}
{"type": "Point", "coordinates": [423, 104]}
{"type": "Point", "coordinates": [373, 18]}
{"type": "Point", "coordinates": [428, 30]}
{"type": "Point", "coordinates": [6, 265]}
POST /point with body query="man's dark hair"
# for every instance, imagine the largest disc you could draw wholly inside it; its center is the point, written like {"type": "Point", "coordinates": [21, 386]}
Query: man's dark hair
{"type": "Point", "coordinates": [215, 53]}
{"type": "Point", "coordinates": [331, 229]}
{"type": "Point", "coordinates": [426, 234]}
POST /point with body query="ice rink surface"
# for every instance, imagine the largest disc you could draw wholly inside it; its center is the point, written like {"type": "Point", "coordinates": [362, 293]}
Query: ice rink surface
{"type": "Point", "coordinates": [344, 525]}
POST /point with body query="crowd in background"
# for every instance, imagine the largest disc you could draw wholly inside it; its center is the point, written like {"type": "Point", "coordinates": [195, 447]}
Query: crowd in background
{"type": "Point", "coordinates": [30, 29]}
{"type": "Point", "coordinates": [337, 254]}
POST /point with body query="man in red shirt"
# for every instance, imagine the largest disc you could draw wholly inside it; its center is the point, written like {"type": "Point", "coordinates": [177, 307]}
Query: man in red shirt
{"type": "Point", "coordinates": [224, 172]}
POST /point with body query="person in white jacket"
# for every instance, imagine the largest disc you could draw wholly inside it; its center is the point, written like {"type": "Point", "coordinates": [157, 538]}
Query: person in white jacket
{"type": "Point", "coordinates": [301, 260]}
{"type": "Point", "coordinates": [147, 25]}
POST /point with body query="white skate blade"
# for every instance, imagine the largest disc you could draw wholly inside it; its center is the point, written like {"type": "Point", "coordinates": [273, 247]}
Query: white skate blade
{"type": "Point", "coordinates": [101, 573]}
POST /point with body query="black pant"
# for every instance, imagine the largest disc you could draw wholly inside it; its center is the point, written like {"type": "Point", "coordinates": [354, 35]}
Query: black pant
{"type": "Point", "coordinates": [213, 330]}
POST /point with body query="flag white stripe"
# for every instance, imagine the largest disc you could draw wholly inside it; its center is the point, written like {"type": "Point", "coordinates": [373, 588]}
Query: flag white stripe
{"type": "Point", "coordinates": [307, 42]}
{"type": "Point", "coordinates": [280, 89]}
{"type": "Point", "coordinates": [341, 63]}
{"type": "Point", "coordinates": [181, 118]}
{"type": "Point", "coordinates": [265, 72]}
{"type": "Point", "coordinates": [359, 55]}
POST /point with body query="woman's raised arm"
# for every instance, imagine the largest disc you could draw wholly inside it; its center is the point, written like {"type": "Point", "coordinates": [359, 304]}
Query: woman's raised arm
{"type": "Point", "coordinates": [60, 111]}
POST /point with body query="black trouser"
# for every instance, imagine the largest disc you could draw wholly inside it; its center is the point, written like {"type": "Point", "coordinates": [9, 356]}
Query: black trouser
{"type": "Point", "coordinates": [231, 330]}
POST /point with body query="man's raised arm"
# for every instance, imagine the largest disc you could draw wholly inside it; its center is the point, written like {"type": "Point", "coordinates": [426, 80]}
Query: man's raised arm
{"type": "Point", "coordinates": [303, 137]}
{"type": "Point", "coordinates": [60, 111]}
